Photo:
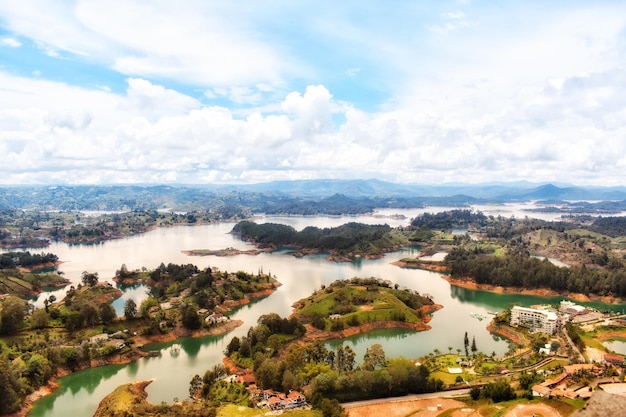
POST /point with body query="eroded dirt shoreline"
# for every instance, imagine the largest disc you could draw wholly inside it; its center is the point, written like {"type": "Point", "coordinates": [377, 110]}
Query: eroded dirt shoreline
{"type": "Point", "coordinates": [541, 292]}
{"type": "Point", "coordinates": [469, 283]}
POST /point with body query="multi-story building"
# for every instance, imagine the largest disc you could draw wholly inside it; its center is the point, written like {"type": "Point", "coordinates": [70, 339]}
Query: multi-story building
{"type": "Point", "coordinates": [538, 320]}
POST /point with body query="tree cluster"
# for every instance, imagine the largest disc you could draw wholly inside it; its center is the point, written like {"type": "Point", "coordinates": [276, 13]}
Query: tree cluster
{"type": "Point", "coordinates": [523, 271]}
{"type": "Point", "coordinates": [447, 220]}
{"type": "Point", "coordinates": [332, 374]}
{"type": "Point", "coordinates": [341, 237]}
{"type": "Point", "coordinates": [12, 260]}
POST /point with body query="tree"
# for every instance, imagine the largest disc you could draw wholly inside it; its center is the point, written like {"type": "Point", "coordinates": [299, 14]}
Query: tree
{"type": "Point", "coordinates": [190, 317]}
{"type": "Point", "coordinates": [9, 388]}
{"type": "Point", "coordinates": [498, 391]}
{"type": "Point", "coordinates": [130, 309]}
{"type": "Point", "coordinates": [374, 357]}
{"type": "Point", "coordinates": [474, 348]}
{"type": "Point", "coordinates": [244, 348]}
{"type": "Point", "coordinates": [40, 318]}
{"type": "Point", "coordinates": [38, 370]}
{"type": "Point", "coordinates": [12, 316]}
{"type": "Point", "coordinates": [89, 279]}
{"type": "Point", "coordinates": [107, 313]}
{"type": "Point", "coordinates": [466, 344]}
{"type": "Point", "coordinates": [195, 384]}
{"type": "Point", "coordinates": [233, 346]}
{"type": "Point", "coordinates": [74, 320]}
{"type": "Point", "coordinates": [122, 272]}
{"type": "Point", "coordinates": [146, 305]}
{"type": "Point", "coordinates": [90, 314]}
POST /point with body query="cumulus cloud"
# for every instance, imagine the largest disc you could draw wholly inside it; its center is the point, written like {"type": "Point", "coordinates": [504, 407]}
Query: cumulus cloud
{"type": "Point", "coordinates": [184, 141]}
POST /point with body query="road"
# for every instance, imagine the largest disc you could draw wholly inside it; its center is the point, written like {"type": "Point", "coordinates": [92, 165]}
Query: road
{"type": "Point", "coordinates": [464, 392]}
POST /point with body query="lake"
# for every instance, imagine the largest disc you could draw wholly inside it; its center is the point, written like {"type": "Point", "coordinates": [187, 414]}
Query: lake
{"type": "Point", "coordinates": [80, 393]}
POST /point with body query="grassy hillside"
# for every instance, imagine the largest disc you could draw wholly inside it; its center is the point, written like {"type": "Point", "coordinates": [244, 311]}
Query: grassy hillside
{"type": "Point", "coordinates": [358, 301]}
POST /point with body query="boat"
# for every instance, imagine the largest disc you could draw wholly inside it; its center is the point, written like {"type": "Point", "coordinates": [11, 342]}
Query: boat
{"type": "Point", "coordinates": [478, 316]}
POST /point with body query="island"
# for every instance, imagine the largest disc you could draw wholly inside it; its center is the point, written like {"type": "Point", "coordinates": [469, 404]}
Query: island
{"type": "Point", "coordinates": [357, 305]}
{"type": "Point", "coordinates": [344, 243]}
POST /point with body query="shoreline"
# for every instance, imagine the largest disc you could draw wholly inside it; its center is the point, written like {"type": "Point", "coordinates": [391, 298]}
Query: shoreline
{"type": "Point", "coordinates": [134, 355]}
{"type": "Point", "coordinates": [138, 351]}
{"type": "Point", "coordinates": [541, 292]}
{"type": "Point", "coordinates": [313, 334]}
{"type": "Point", "coordinates": [471, 284]}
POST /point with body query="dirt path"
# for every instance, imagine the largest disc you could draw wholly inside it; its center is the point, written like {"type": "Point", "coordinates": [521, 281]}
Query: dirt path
{"type": "Point", "coordinates": [414, 408]}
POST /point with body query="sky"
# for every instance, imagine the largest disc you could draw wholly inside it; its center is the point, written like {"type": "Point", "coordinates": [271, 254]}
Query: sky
{"type": "Point", "coordinates": [417, 91]}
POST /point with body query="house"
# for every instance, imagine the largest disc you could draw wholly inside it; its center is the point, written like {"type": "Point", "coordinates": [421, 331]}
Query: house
{"type": "Point", "coordinates": [117, 343]}
{"type": "Point", "coordinates": [216, 318]}
{"type": "Point", "coordinates": [571, 308]}
{"type": "Point", "coordinates": [614, 359]}
{"type": "Point", "coordinates": [296, 397]}
{"type": "Point", "coordinates": [555, 381]}
{"type": "Point", "coordinates": [274, 403]}
{"type": "Point", "coordinates": [278, 400]}
{"type": "Point", "coordinates": [246, 378]}
{"type": "Point", "coordinates": [546, 349]}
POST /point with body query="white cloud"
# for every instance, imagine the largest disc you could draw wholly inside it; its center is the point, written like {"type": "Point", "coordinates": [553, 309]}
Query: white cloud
{"type": "Point", "coordinates": [113, 140]}
{"type": "Point", "coordinates": [500, 99]}
{"type": "Point", "coordinates": [193, 41]}
{"type": "Point", "coordinates": [10, 42]}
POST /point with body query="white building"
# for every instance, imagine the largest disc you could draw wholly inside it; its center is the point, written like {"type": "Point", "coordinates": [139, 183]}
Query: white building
{"type": "Point", "coordinates": [571, 308]}
{"type": "Point", "coordinates": [538, 320]}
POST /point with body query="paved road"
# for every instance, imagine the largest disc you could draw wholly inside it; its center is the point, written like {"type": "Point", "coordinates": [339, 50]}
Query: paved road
{"type": "Point", "coordinates": [464, 392]}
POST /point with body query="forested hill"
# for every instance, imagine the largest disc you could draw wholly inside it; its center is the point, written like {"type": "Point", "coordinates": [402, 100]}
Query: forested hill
{"type": "Point", "coordinates": [519, 271]}
{"type": "Point", "coordinates": [356, 238]}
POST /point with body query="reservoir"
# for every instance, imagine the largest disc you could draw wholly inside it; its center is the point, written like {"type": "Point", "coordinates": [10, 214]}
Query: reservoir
{"type": "Point", "coordinates": [80, 393]}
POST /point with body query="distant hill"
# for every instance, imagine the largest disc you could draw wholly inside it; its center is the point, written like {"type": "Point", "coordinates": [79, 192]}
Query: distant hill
{"type": "Point", "coordinates": [296, 197]}
{"type": "Point", "coordinates": [494, 192]}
